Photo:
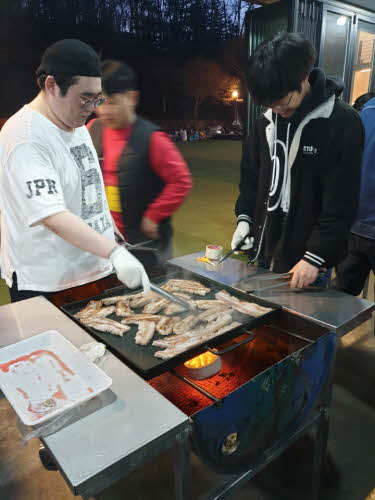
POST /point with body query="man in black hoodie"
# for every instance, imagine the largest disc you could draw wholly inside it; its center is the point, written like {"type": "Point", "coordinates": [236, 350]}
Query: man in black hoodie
{"type": "Point", "coordinates": [300, 171]}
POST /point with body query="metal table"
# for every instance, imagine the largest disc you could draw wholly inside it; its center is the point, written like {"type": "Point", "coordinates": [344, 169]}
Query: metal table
{"type": "Point", "coordinates": [334, 310]}
{"type": "Point", "coordinates": [126, 426]}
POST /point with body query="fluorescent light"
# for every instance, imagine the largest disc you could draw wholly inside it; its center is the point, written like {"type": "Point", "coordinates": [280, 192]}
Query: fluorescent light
{"type": "Point", "coordinates": [365, 70]}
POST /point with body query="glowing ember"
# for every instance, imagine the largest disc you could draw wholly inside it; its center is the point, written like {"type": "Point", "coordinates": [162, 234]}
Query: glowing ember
{"type": "Point", "coordinates": [205, 359]}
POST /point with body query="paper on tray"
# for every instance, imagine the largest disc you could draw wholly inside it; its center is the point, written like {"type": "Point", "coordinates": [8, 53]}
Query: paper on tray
{"type": "Point", "coordinates": [45, 375]}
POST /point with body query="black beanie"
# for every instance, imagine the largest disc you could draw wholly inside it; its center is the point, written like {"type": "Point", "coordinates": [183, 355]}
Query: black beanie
{"type": "Point", "coordinates": [70, 57]}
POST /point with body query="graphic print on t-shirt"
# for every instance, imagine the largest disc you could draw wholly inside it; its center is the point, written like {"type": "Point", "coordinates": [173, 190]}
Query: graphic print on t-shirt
{"type": "Point", "coordinates": [36, 187]}
{"type": "Point", "coordinates": [92, 210]}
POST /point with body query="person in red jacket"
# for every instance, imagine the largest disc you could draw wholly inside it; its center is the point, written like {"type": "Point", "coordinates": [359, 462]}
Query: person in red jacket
{"type": "Point", "coordinates": [145, 176]}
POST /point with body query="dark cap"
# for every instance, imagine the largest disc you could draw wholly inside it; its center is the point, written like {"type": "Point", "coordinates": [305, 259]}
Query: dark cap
{"type": "Point", "coordinates": [70, 57]}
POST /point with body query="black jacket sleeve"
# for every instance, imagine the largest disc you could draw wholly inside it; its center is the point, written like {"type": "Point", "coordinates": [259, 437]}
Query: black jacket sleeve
{"type": "Point", "coordinates": [246, 201]}
{"type": "Point", "coordinates": [340, 183]}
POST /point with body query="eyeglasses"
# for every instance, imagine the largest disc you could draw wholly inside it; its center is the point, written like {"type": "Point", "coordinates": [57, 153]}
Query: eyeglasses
{"type": "Point", "coordinates": [87, 103]}
{"type": "Point", "coordinates": [283, 106]}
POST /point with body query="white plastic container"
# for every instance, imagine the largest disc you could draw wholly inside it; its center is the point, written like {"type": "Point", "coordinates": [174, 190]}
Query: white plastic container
{"type": "Point", "coordinates": [46, 375]}
{"type": "Point", "coordinates": [214, 252]}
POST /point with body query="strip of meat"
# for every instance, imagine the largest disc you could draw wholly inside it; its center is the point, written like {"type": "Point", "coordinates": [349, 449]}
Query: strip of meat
{"type": "Point", "coordinates": [103, 312]}
{"type": "Point", "coordinates": [106, 325]}
{"type": "Point", "coordinates": [166, 324]}
{"type": "Point", "coordinates": [93, 305]}
{"type": "Point", "coordinates": [97, 313]}
{"type": "Point", "coordinates": [209, 304]}
{"type": "Point", "coordinates": [142, 299]}
{"type": "Point", "coordinates": [174, 350]}
{"type": "Point", "coordinates": [184, 283]}
{"type": "Point", "coordinates": [123, 309]}
{"type": "Point", "coordinates": [195, 290]}
{"type": "Point", "coordinates": [173, 308]}
{"type": "Point", "coordinates": [155, 306]}
{"type": "Point", "coordinates": [211, 314]}
{"type": "Point", "coordinates": [146, 330]}
{"type": "Point", "coordinates": [109, 301]}
{"type": "Point", "coordinates": [186, 324]}
{"type": "Point", "coordinates": [178, 340]}
{"type": "Point", "coordinates": [249, 308]}
{"type": "Point", "coordinates": [189, 286]}
{"type": "Point", "coordinates": [198, 333]}
{"type": "Point", "coordinates": [136, 318]}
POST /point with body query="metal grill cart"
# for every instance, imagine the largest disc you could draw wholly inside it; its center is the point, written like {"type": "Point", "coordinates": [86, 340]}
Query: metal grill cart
{"type": "Point", "coordinates": [274, 384]}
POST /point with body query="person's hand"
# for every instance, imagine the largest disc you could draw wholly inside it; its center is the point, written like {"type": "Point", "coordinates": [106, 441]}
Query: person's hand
{"type": "Point", "coordinates": [128, 269]}
{"type": "Point", "coordinates": [150, 229]}
{"type": "Point", "coordinates": [303, 274]}
{"type": "Point", "coordinates": [243, 228]}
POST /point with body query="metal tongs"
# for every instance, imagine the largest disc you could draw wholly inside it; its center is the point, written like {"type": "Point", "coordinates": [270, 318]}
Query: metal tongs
{"type": "Point", "coordinates": [285, 277]}
{"type": "Point", "coordinates": [171, 297]}
{"type": "Point", "coordinates": [137, 246]}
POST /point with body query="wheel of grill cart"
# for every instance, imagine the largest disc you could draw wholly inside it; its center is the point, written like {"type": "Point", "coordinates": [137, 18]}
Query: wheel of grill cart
{"type": "Point", "coordinates": [46, 458]}
{"type": "Point", "coordinates": [264, 412]}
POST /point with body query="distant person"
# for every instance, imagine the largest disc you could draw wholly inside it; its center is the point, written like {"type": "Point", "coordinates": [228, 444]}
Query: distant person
{"type": "Point", "coordinates": [145, 176]}
{"type": "Point", "coordinates": [57, 231]}
{"type": "Point", "coordinates": [351, 273]}
{"type": "Point", "coordinates": [361, 101]}
{"type": "Point", "coordinates": [184, 135]}
{"type": "Point", "coordinates": [300, 171]}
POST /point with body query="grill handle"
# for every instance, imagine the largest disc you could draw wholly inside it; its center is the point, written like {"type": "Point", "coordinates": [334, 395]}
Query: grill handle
{"type": "Point", "coordinates": [233, 346]}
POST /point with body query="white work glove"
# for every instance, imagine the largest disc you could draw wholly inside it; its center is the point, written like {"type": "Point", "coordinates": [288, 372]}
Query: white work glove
{"type": "Point", "coordinates": [128, 269]}
{"type": "Point", "coordinates": [243, 228]}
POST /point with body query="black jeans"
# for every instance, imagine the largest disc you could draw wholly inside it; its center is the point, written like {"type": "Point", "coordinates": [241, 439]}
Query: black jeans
{"type": "Point", "coordinates": [17, 295]}
{"type": "Point", "coordinates": [351, 273]}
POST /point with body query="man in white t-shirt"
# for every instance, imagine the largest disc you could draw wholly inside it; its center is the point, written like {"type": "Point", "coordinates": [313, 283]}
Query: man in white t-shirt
{"type": "Point", "coordinates": [57, 231]}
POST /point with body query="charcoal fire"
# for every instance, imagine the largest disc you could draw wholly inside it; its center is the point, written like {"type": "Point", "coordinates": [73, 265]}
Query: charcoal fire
{"type": "Point", "coordinates": [204, 366]}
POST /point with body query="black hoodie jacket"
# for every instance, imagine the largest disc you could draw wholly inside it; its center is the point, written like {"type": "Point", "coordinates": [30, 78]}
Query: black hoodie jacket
{"type": "Point", "coordinates": [300, 179]}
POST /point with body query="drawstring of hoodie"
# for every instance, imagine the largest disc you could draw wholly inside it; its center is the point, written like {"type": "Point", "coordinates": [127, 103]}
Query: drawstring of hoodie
{"type": "Point", "coordinates": [283, 200]}
{"type": "Point", "coordinates": [284, 197]}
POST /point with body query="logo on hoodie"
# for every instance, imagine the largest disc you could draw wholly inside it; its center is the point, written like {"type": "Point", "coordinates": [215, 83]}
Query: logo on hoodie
{"type": "Point", "coordinates": [309, 150]}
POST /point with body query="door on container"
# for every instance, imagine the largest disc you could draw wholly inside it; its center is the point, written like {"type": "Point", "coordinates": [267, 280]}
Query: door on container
{"type": "Point", "coordinates": [336, 50]}
{"type": "Point", "coordinates": [261, 24]}
{"type": "Point", "coordinates": [347, 49]}
{"type": "Point", "coordinates": [363, 79]}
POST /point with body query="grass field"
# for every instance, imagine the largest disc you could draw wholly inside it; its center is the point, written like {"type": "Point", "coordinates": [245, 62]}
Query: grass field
{"type": "Point", "coordinates": [207, 216]}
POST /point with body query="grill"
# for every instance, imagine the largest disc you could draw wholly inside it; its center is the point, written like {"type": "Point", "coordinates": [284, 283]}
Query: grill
{"type": "Point", "coordinates": [274, 384]}
{"type": "Point", "coordinates": [141, 358]}
{"type": "Point", "coordinates": [264, 391]}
